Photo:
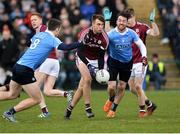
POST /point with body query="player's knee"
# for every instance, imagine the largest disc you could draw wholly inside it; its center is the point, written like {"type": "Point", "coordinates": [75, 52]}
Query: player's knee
{"type": "Point", "coordinates": [138, 86]}
{"type": "Point", "coordinates": [121, 87]}
{"type": "Point", "coordinates": [111, 87]}
{"type": "Point", "coordinates": [47, 92]}
{"type": "Point", "coordinates": [37, 100]}
{"type": "Point", "coordinates": [12, 95]}
{"type": "Point", "coordinates": [87, 81]}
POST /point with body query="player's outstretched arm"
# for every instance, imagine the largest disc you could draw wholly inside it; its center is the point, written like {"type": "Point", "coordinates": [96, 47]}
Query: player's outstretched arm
{"type": "Point", "coordinates": [107, 16]}
{"type": "Point", "coordinates": [154, 31]}
{"type": "Point", "coordinates": [71, 46]}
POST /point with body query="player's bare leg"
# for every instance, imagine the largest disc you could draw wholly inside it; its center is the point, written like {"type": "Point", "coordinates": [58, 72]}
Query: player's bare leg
{"type": "Point", "coordinates": [12, 93]}
{"type": "Point", "coordinates": [40, 79]}
{"type": "Point", "coordinates": [86, 88]}
{"type": "Point", "coordinates": [31, 89]}
{"type": "Point", "coordinates": [111, 93]}
{"type": "Point", "coordinates": [136, 88]}
{"type": "Point", "coordinates": [119, 95]}
{"type": "Point", "coordinates": [77, 96]}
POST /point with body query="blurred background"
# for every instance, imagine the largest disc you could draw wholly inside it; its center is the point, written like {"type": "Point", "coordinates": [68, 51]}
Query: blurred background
{"type": "Point", "coordinates": [15, 31]}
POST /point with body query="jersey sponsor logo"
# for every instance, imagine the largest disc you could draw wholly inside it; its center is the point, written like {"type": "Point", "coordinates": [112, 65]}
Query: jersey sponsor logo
{"type": "Point", "coordinates": [118, 46]}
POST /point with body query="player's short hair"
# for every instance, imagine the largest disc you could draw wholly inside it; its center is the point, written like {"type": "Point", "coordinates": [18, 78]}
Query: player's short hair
{"type": "Point", "coordinates": [124, 14]}
{"type": "Point", "coordinates": [99, 17]}
{"type": "Point", "coordinates": [155, 55]}
{"type": "Point", "coordinates": [36, 14]}
{"type": "Point", "coordinates": [53, 24]}
{"type": "Point", "coordinates": [130, 11]}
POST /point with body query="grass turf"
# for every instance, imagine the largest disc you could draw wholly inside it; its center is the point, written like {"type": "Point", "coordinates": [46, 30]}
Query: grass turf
{"type": "Point", "coordinates": [165, 119]}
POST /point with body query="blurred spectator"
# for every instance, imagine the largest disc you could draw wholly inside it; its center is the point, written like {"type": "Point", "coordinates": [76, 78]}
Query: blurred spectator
{"type": "Point", "coordinates": [156, 72]}
{"type": "Point", "coordinates": [74, 12]}
{"type": "Point", "coordinates": [56, 6]}
{"type": "Point", "coordinates": [63, 14]}
{"type": "Point", "coordinates": [88, 9]}
{"type": "Point", "coordinates": [62, 74]}
{"type": "Point", "coordinates": [9, 52]}
{"type": "Point", "coordinates": [116, 6]}
{"type": "Point", "coordinates": [73, 75]}
{"type": "Point", "coordinates": [100, 4]}
{"type": "Point", "coordinates": [83, 24]}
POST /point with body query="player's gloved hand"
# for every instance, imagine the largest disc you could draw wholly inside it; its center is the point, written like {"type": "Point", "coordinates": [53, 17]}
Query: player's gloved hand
{"type": "Point", "coordinates": [92, 70]}
{"type": "Point", "coordinates": [107, 14]}
{"type": "Point", "coordinates": [152, 15]}
{"type": "Point", "coordinates": [144, 61]}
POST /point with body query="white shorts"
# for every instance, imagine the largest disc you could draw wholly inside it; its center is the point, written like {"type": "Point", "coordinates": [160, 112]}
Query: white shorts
{"type": "Point", "coordinates": [138, 71]}
{"type": "Point", "coordinates": [92, 62]}
{"type": "Point", "coordinates": [50, 66]}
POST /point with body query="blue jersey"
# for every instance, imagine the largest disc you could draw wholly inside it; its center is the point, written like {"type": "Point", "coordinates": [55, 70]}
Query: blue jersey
{"type": "Point", "coordinates": [42, 44]}
{"type": "Point", "coordinates": [120, 44]}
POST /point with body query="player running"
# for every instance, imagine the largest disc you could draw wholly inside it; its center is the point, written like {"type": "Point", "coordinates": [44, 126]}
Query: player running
{"type": "Point", "coordinates": [120, 59]}
{"type": "Point", "coordinates": [48, 72]}
{"type": "Point", "coordinates": [138, 70]}
{"type": "Point", "coordinates": [90, 58]}
{"type": "Point", "coordinates": [42, 44]}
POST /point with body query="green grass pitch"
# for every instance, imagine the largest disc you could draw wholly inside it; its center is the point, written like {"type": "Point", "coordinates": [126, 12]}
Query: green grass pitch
{"type": "Point", "coordinates": [165, 119]}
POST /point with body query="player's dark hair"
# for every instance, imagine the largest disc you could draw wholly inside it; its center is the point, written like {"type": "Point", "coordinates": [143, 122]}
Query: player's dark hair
{"type": "Point", "coordinates": [53, 24]}
{"type": "Point", "coordinates": [155, 55]}
{"type": "Point", "coordinates": [124, 14]}
{"type": "Point", "coordinates": [36, 14]}
{"type": "Point", "coordinates": [130, 11]}
{"type": "Point", "coordinates": [99, 17]}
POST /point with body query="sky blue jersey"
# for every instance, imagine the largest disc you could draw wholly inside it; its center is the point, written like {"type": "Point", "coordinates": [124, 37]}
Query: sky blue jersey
{"type": "Point", "coordinates": [120, 44]}
{"type": "Point", "coordinates": [42, 44]}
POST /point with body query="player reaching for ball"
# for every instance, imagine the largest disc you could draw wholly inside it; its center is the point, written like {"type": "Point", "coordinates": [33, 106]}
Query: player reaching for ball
{"type": "Point", "coordinates": [90, 58]}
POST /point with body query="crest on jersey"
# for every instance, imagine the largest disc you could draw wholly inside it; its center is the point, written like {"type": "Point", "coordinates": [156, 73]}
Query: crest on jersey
{"type": "Point", "coordinates": [99, 42]}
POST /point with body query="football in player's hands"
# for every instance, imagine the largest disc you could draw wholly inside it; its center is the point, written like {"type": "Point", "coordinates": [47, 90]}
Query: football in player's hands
{"type": "Point", "coordinates": [144, 61]}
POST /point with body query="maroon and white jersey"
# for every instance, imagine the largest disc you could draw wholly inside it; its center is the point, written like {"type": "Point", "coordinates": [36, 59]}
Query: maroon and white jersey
{"type": "Point", "coordinates": [141, 29]}
{"type": "Point", "coordinates": [91, 50]}
{"type": "Point", "coordinates": [52, 55]}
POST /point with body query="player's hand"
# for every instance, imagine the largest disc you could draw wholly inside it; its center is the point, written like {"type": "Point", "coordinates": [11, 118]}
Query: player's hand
{"type": "Point", "coordinates": [144, 61]}
{"type": "Point", "coordinates": [152, 15]}
{"type": "Point", "coordinates": [107, 14]}
{"type": "Point", "coordinates": [92, 70]}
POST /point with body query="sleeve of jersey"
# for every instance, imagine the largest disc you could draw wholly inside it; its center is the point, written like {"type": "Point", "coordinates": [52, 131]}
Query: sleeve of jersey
{"type": "Point", "coordinates": [146, 28]}
{"type": "Point", "coordinates": [134, 36]}
{"type": "Point", "coordinates": [142, 47]}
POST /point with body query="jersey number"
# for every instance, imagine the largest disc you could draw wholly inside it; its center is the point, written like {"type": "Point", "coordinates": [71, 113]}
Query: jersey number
{"type": "Point", "coordinates": [35, 43]}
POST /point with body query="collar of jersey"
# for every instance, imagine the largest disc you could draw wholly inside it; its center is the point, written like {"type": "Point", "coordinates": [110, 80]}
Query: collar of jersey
{"type": "Point", "coordinates": [49, 32]}
{"type": "Point", "coordinates": [120, 32]}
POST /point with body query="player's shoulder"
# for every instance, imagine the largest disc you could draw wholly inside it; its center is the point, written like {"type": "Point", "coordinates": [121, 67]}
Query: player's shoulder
{"type": "Point", "coordinates": [131, 31]}
{"type": "Point", "coordinates": [43, 28]}
{"type": "Point", "coordinates": [141, 24]}
{"type": "Point", "coordinates": [112, 31]}
{"type": "Point", "coordinates": [84, 30]}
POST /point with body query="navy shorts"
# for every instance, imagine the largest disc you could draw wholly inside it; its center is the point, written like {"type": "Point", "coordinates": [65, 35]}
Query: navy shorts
{"type": "Point", "coordinates": [116, 67]}
{"type": "Point", "coordinates": [23, 75]}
